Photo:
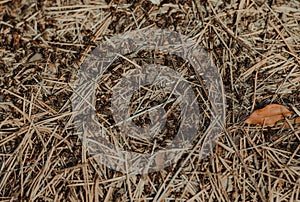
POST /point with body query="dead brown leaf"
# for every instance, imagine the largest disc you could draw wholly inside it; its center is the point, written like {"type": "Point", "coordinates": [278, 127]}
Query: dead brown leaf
{"type": "Point", "coordinates": [292, 122]}
{"type": "Point", "coordinates": [269, 115]}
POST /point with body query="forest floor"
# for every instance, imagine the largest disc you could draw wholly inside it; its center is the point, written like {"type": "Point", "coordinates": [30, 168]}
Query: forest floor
{"type": "Point", "coordinates": [254, 44]}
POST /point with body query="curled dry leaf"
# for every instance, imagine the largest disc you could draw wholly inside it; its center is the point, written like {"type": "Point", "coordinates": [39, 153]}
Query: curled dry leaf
{"type": "Point", "coordinates": [269, 115]}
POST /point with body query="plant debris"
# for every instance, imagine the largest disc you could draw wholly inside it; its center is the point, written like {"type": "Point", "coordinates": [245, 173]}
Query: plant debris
{"type": "Point", "coordinates": [255, 45]}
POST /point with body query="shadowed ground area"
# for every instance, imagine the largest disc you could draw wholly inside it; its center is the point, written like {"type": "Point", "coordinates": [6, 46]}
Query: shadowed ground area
{"type": "Point", "coordinates": [255, 46]}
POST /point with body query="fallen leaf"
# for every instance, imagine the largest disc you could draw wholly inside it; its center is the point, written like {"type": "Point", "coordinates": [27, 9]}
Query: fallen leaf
{"type": "Point", "coordinates": [227, 183]}
{"type": "Point", "coordinates": [36, 57]}
{"type": "Point", "coordinates": [155, 1]}
{"type": "Point", "coordinates": [292, 122]}
{"type": "Point", "coordinates": [269, 115]}
{"type": "Point", "coordinates": [16, 40]}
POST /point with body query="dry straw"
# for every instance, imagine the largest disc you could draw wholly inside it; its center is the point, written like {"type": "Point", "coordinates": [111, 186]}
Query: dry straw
{"type": "Point", "coordinates": [255, 46]}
